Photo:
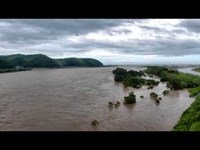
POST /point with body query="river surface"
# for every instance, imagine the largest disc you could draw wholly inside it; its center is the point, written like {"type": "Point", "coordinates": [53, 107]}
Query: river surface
{"type": "Point", "coordinates": [69, 99]}
{"type": "Point", "coordinates": [189, 70]}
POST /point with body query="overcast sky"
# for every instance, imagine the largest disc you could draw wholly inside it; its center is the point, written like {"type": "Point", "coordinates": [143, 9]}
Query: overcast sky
{"type": "Point", "coordinates": [112, 41]}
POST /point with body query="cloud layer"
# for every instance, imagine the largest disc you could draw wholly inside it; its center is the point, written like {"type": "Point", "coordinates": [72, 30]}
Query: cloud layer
{"type": "Point", "coordinates": [113, 41]}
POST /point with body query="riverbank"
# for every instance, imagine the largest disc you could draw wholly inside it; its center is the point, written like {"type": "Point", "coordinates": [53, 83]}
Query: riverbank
{"type": "Point", "coordinates": [27, 69]}
{"type": "Point", "coordinates": [196, 69]}
{"type": "Point", "coordinates": [190, 119]}
{"type": "Point", "coordinates": [13, 70]}
{"type": "Point", "coordinates": [189, 70]}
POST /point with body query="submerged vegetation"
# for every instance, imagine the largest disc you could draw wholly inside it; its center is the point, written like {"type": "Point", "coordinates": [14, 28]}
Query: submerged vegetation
{"type": "Point", "coordinates": [94, 122]}
{"type": "Point", "coordinates": [116, 104]}
{"type": "Point", "coordinates": [130, 99]}
{"type": "Point", "coordinates": [154, 95]}
{"type": "Point", "coordinates": [190, 119]}
{"type": "Point", "coordinates": [175, 80]}
{"type": "Point", "coordinates": [132, 78]}
{"type": "Point", "coordinates": [165, 92]}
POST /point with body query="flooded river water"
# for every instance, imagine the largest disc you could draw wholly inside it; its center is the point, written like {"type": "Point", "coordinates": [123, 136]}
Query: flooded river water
{"type": "Point", "coordinates": [69, 99]}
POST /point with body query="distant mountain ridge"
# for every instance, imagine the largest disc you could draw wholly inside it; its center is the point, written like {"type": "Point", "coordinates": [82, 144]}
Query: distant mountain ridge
{"type": "Point", "coordinates": [43, 61]}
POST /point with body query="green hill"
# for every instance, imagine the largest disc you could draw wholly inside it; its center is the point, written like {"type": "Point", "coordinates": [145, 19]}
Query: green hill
{"type": "Point", "coordinates": [82, 62]}
{"type": "Point", "coordinates": [4, 64]}
{"type": "Point", "coordinates": [43, 61]}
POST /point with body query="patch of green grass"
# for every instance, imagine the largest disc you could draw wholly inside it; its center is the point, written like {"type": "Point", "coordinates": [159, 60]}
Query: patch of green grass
{"type": "Point", "coordinates": [194, 91]}
{"type": "Point", "coordinates": [196, 69]}
{"type": "Point", "coordinates": [195, 126]}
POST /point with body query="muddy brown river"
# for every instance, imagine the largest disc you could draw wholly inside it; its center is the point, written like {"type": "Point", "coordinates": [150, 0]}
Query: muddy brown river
{"type": "Point", "coordinates": [69, 99]}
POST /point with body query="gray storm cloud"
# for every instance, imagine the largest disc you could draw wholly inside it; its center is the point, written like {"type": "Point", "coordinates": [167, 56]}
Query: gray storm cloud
{"type": "Point", "coordinates": [60, 37]}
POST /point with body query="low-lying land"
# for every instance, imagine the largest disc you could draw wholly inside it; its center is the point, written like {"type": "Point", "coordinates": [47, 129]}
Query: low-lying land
{"type": "Point", "coordinates": [13, 70]}
{"type": "Point", "coordinates": [196, 69]}
{"type": "Point", "coordinates": [175, 80]}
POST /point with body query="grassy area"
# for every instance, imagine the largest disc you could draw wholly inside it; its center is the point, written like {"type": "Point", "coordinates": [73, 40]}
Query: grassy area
{"type": "Point", "coordinates": [196, 69]}
{"type": "Point", "coordinates": [194, 91]}
{"type": "Point", "coordinates": [190, 119]}
{"type": "Point", "coordinates": [175, 80]}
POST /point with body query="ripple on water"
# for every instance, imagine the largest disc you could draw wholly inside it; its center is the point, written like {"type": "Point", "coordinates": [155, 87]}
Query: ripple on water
{"type": "Point", "coordinates": [69, 99]}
